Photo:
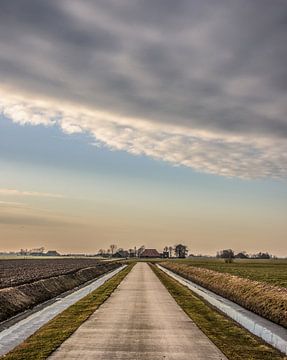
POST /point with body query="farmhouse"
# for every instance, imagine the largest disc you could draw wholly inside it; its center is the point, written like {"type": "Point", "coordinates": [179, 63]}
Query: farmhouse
{"type": "Point", "coordinates": [150, 253]}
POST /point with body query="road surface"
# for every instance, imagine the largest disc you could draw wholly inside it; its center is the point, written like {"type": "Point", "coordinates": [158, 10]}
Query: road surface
{"type": "Point", "coordinates": [140, 321]}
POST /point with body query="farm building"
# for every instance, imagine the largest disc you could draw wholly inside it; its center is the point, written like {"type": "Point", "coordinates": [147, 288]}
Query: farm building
{"type": "Point", "coordinates": [150, 253]}
{"type": "Point", "coordinates": [52, 253]}
{"type": "Point", "coordinates": [121, 254]}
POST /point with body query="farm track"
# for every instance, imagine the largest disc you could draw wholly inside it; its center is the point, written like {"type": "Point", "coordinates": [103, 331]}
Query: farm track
{"type": "Point", "coordinates": [139, 321]}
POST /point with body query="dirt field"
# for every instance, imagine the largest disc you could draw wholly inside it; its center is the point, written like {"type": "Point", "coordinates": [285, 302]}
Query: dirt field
{"type": "Point", "coordinates": [16, 272]}
{"type": "Point", "coordinates": [27, 283]}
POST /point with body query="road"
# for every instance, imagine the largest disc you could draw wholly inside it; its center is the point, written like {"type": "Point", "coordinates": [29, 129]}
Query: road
{"type": "Point", "coordinates": [140, 321]}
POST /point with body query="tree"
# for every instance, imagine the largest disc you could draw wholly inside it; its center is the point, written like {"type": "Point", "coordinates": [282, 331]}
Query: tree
{"type": "Point", "coordinates": [165, 253]}
{"type": "Point", "coordinates": [181, 251]}
{"type": "Point", "coordinates": [101, 252]}
{"type": "Point", "coordinates": [225, 254]}
{"type": "Point", "coordinates": [170, 248]}
{"type": "Point", "coordinates": [141, 250]}
{"type": "Point", "coordinates": [262, 255]}
{"type": "Point", "coordinates": [113, 247]}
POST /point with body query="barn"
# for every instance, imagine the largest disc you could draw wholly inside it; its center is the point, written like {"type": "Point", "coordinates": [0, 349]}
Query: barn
{"type": "Point", "coordinates": [150, 253]}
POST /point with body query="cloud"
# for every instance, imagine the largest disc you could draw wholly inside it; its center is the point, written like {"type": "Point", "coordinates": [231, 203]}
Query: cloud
{"type": "Point", "coordinates": [29, 218]}
{"type": "Point", "coordinates": [14, 192]}
{"type": "Point", "coordinates": [205, 151]}
{"type": "Point", "coordinates": [21, 214]}
{"type": "Point", "coordinates": [11, 203]}
{"type": "Point", "coordinates": [199, 84]}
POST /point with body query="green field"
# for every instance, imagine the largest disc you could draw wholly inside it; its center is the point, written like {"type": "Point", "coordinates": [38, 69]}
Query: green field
{"type": "Point", "coordinates": [270, 271]}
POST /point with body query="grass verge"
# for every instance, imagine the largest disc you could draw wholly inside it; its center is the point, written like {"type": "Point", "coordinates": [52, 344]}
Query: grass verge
{"type": "Point", "coordinates": [49, 337]}
{"type": "Point", "coordinates": [234, 341]}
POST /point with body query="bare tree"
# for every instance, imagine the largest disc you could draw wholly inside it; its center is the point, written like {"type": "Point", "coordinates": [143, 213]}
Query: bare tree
{"type": "Point", "coordinates": [113, 247]}
{"type": "Point", "coordinates": [141, 250]}
{"type": "Point", "coordinates": [170, 248]}
{"type": "Point", "coordinates": [101, 252]}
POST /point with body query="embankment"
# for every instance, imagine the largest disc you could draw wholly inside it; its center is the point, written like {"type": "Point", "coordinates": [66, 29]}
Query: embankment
{"type": "Point", "coordinates": [261, 298]}
{"type": "Point", "coordinates": [14, 300]}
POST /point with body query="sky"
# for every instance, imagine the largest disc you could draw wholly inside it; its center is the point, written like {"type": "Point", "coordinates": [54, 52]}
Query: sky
{"type": "Point", "coordinates": [143, 122]}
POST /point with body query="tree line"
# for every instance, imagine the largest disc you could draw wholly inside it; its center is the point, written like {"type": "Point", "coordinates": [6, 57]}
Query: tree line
{"type": "Point", "coordinates": [230, 254]}
{"type": "Point", "coordinates": [178, 250]}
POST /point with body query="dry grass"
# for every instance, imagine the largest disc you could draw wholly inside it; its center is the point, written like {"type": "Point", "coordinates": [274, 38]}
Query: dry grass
{"type": "Point", "coordinates": [233, 340]}
{"type": "Point", "coordinates": [263, 299]}
{"type": "Point", "coordinates": [272, 271]}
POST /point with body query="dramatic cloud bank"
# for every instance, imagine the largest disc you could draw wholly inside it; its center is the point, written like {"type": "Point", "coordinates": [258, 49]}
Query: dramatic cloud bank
{"type": "Point", "coordinates": [213, 152]}
{"type": "Point", "coordinates": [195, 83]}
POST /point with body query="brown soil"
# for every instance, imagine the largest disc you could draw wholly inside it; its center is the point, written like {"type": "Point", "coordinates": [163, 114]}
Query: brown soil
{"type": "Point", "coordinates": [14, 300]}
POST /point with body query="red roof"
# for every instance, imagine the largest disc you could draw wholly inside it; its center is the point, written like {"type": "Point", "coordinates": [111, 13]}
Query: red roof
{"type": "Point", "coordinates": [150, 253]}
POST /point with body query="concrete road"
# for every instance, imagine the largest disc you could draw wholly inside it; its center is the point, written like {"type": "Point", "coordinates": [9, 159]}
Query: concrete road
{"type": "Point", "coordinates": [140, 321]}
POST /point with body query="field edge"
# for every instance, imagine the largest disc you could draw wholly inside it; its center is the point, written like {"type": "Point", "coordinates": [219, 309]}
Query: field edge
{"type": "Point", "coordinates": [49, 337]}
{"type": "Point", "coordinates": [234, 341]}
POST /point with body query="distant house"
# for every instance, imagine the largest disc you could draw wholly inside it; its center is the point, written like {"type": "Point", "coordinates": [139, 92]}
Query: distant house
{"type": "Point", "coordinates": [150, 253]}
{"type": "Point", "coordinates": [36, 253]}
{"type": "Point", "coordinates": [121, 254]}
{"type": "Point", "coordinates": [52, 253]}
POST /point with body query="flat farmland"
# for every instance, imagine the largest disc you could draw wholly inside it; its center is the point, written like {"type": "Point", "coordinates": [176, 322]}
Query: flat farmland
{"type": "Point", "coordinates": [270, 271]}
{"type": "Point", "coordinates": [14, 272]}
{"type": "Point", "coordinates": [160, 330]}
{"type": "Point", "coordinates": [29, 282]}
{"type": "Point", "coordinates": [259, 286]}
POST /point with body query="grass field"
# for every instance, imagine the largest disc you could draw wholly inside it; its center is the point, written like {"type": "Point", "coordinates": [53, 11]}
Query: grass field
{"type": "Point", "coordinates": [270, 271]}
